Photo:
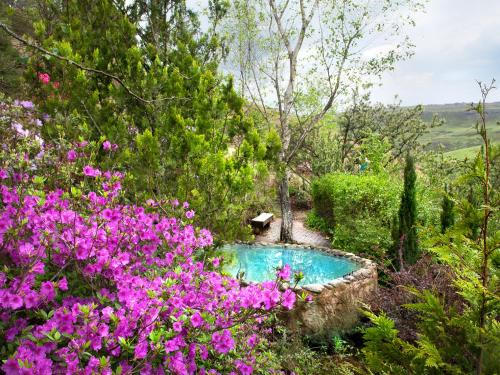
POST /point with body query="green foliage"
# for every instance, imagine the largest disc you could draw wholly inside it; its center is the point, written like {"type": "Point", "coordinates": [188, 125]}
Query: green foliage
{"type": "Point", "coordinates": [383, 349]}
{"type": "Point", "coordinates": [12, 62]}
{"type": "Point", "coordinates": [464, 338]}
{"type": "Point", "coordinates": [179, 125]}
{"type": "Point", "coordinates": [456, 135]}
{"type": "Point", "coordinates": [406, 248]}
{"type": "Point", "coordinates": [447, 213]}
{"type": "Point", "coordinates": [303, 356]}
{"type": "Point", "coordinates": [357, 209]}
{"type": "Point", "coordinates": [315, 221]}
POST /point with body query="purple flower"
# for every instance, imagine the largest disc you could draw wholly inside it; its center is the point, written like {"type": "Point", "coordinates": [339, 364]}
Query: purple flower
{"type": "Point", "coordinates": [177, 326]}
{"type": "Point", "coordinates": [196, 320]}
{"type": "Point", "coordinates": [223, 341]}
{"type": "Point", "coordinates": [14, 302]}
{"type": "Point", "coordinates": [31, 300]}
{"type": "Point", "coordinates": [72, 155]}
{"type": "Point", "coordinates": [20, 130]}
{"type": "Point", "coordinates": [11, 367]}
{"type": "Point", "coordinates": [63, 284]}
{"type": "Point", "coordinates": [106, 145]}
{"type": "Point", "coordinates": [141, 350]}
{"type": "Point", "coordinates": [26, 104]}
{"type": "Point", "coordinates": [285, 272]}
{"type": "Point", "coordinates": [190, 214]}
{"type": "Point", "coordinates": [252, 340]}
{"type": "Point", "coordinates": [47, 290]}
{"type": "Point", "coordinates": [288, 299]}
{"type": "Point", "coordinates": [243, 367]}
{"type": "Point", "coordinates": [91, 172]}
{"type": "Point", "coordinates": [26, 249]}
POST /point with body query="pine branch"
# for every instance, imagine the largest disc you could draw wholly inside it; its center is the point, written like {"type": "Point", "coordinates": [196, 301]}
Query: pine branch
{"type": "Point", "coordinates": [80, 66]}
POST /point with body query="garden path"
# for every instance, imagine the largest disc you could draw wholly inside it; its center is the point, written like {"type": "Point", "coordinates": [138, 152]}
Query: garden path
{"type": "Point", "coordinates": [301, 234]}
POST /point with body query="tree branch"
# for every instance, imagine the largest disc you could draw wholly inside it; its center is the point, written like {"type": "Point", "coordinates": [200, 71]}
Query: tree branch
{"type": "Point", "coordinates": [80, 66]}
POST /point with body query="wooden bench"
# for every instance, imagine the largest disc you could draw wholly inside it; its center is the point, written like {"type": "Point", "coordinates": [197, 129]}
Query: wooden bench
{"type": "Point", "coordinates": [262, 221]}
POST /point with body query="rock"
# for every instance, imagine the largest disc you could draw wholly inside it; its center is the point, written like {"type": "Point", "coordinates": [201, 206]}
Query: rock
{"type": "Point", "coordinates": [336, 282]}
{"type": "Point", "coordinates": [315, 288]}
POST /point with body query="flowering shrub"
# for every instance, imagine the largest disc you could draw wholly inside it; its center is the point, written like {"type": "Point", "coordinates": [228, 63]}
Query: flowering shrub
{"type": "Point", "coordinates": [89, 285]}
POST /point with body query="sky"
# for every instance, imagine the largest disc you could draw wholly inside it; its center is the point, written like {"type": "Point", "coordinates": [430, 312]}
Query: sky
{"type": "Point", "coordinates": [457, 42]}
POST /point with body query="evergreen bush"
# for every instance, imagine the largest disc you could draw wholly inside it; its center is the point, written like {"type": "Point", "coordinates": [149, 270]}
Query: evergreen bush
{"type": "Point", "coordinates": [357, 209]}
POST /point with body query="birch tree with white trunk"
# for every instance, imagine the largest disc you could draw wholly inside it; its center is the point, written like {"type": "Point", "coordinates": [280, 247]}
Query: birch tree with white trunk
{"type": "Point", "coordinates": [295, 60]}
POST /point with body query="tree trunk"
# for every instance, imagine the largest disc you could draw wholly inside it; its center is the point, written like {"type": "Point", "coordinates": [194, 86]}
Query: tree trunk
{"type": "Point", "coordinates": [286, 232]}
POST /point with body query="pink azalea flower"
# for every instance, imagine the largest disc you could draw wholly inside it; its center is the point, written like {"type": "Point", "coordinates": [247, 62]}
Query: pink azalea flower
{"type": "Point", "coordinates": [44, 78]}
{"type": "Point", "coordinates": [71, 155]}
{"type": "Point", "coordinates": [106, 145]}
{"type": "Point", "coordinates": [196, 320]}
{"type": "Point", "coordinates": [223, 341]}
{"type": "Point", "coordinates": [285, 272]}
{"type": "Point", "coordinates": [63, 284]}
{"type": "Point", "coordinates": [141, 350]}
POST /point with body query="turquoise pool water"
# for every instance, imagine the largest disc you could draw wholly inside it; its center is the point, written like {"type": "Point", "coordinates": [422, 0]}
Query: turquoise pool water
{"type": "Point", "coordinates": [259, 263]}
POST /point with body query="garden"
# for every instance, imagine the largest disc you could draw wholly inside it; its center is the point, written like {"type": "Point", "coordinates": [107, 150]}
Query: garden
{"type": "Point", "coordinates": [138, 140]}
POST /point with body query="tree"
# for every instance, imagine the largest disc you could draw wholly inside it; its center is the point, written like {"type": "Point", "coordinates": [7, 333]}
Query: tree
{"type": "Point", "coordinates": [12, 59]}
{"type": "Point", "coordinates": [179, 124]}
{"type": "Point", "coordinates": [402, 127]}
{"type": "Point", "coordinates": [460, 337]}
{"type": "Point", "coordinates": [407, 247]}
{"type": "Point", "coordinates": [447, 214]}
{"type": "Point", "coordinates": [296, 59]}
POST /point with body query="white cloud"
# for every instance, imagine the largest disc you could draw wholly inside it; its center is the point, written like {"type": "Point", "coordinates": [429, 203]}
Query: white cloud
{"type": "Point", "coordinates": [457, 43]}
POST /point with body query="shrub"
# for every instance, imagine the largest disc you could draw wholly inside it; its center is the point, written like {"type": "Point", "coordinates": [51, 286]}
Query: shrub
{"type": "Point", "coordinates": [358, 209]}
{"type": "Point", "coordinates": [406, 247]}
{"type": "Point", "coordinates": [90, 284]}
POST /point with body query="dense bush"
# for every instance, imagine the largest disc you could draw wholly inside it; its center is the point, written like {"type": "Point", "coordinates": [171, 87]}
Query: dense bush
{"type": "Point", "coordinates": [358, 209]}
{"type": "Point", "coordinates": [89, 284]}
{"type": "Point", "coordinates": [180, 125]}
{"type": "Point", "coordinates": [455, 311]}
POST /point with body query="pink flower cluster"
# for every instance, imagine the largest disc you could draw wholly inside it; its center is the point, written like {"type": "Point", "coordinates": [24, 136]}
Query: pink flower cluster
{"type": "Point", "coordinates": [94, 286]}
{"type": "Point", "coordinates": [44, 78]}
{"type": "Point", "coordinates": [107, 146]}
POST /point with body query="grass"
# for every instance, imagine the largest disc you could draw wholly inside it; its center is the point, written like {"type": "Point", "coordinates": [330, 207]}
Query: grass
{"type": "Point", "coordinates": [458, 132]}
{"type": "Point", "coordinates": [462, 153]}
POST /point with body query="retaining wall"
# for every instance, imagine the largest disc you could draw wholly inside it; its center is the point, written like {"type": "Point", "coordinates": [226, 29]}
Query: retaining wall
{"type": "Point", "coordinates": [335, 304]}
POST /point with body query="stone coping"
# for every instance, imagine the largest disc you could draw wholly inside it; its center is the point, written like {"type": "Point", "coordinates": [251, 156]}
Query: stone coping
{"type": "Point", "coordinates": [364, 272]}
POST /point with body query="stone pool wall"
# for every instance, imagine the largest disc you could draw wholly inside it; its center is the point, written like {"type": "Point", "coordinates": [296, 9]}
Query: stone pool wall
{"type": "Point", "coordinates": [335, 304]}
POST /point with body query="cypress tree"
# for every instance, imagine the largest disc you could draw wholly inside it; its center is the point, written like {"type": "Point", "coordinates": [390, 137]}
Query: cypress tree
{"type": "Point", "coordinates": [407, 234]}
{"type": "Point", "coordinates": [447, 214]}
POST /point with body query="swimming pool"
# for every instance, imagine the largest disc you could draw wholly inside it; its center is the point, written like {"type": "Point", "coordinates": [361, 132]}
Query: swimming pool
{"type": "Point", "coordinates": [259, 263]}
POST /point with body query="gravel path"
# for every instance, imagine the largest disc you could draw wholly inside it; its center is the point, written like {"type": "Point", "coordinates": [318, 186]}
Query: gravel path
{"type": "Point", "coordinates": [301, 234]}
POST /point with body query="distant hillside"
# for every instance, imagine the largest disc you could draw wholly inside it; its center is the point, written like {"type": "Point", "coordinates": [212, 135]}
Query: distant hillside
{"type": "Point", "coordinates": [459, 130]}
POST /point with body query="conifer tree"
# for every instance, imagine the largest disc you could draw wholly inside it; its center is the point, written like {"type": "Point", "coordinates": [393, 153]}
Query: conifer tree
{"type": "Point", "coordinates": [407, 234]}
{"type": "Point", "coordinates": [447, 213]}
{"type": "Point", "coordinates": [150, 84]}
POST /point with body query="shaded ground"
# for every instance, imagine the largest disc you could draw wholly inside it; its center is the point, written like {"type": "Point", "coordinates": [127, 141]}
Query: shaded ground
{"type": "Point", "coordinates": [301, 234]}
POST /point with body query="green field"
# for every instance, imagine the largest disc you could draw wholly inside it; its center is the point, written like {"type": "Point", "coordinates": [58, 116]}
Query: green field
{"type": "Point", "coordinates": [462, 153]}
{"type": "Point", "coordinates": [458, 132]}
